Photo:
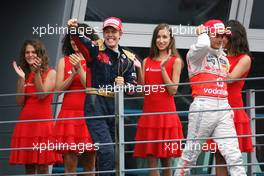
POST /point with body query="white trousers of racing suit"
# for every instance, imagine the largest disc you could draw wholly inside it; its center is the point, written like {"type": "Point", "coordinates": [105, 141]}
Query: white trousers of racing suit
{"type": "Point", "coordinates": [215, 124]}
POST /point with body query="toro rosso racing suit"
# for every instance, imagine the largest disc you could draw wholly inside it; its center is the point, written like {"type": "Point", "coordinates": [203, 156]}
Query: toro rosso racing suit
{"type": "Point", "coordinates": [207, 64]}
{"type": "Point", "coordinates": [105, 65]}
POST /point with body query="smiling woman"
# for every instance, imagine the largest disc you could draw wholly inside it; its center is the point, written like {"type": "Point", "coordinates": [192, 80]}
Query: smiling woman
{"type": "Point", "coordinates": [34, 75]}
{"type": "Point", "coordinates": [163, 66]}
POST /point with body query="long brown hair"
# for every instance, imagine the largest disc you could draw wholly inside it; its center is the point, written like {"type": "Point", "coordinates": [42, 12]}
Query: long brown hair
{"type": "Point", "coordinates": [237, 41]}
{"type": "Point", "coordinates": [154, 51]}
{"type": "Point", "coordinates": [41, 53]}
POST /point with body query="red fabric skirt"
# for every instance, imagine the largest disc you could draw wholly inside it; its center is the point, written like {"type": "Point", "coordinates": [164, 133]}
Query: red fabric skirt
{"type": "Point", "coordinates": [35, 135]}
{"type": "Point", "coordinates": [72, 132]}
{"type": "Point", "coordinates": [160, 132]}
{"type": "Point", "coordinates": [242, 124]}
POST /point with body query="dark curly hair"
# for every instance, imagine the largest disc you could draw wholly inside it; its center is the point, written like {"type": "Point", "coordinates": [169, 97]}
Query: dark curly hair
{"type": "Point", "coordinates": [237, 41]}
{"type": "Point", "coordinates": [41, 53]}
{"type": "Point", "coordinates": [88, 32]}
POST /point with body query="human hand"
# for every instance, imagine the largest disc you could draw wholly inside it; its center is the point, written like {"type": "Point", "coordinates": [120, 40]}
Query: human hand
{"type": "Point", "coordinates": [18, 70]}
{"type": "Point", "coordinates": [75, 60]}
{"type": "Point", "coordinates": [200, 29]}
{"type": "Point", "coordinates": [165, 60]}
{"type": "Point", "coordinates": [72, 23]}
{"type": "Point", "coordinates": [37, 64]}
{"type": "Point", "coordinates": [119, 81]}
{"type": "Point", "coordinates": [137, 63]}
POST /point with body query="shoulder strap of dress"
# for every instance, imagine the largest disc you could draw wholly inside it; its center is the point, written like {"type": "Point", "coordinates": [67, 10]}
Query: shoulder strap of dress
{"type": "Point", "coordinates": [148, 59]}
{"type": "Point", "coordinates": [242, 55]}
{"type": "Point", "coordinates": [173, 58]}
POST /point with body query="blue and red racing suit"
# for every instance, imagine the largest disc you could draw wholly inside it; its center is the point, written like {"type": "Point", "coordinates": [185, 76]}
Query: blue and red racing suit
{"type": "Point", "coordinates": [105, 64]}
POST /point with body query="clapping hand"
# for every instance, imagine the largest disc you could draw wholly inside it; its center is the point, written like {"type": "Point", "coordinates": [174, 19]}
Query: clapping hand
{"type": "Point", "coordinates": [165, 60]}
{"type": "Point", "coordinates": [37, 64]}
{"type": "Point", "coordinates": [18, 70]}
{"type": "Point", "coordinates": [75, 60]}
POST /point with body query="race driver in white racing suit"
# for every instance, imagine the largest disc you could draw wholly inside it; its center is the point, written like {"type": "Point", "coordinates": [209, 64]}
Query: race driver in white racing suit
{"type": "Point", "coordinates": [207, 62]}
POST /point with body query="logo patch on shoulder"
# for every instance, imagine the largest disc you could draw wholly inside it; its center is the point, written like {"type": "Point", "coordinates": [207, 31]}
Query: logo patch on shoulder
{"type": "Point", "coordinates": [134, 74]}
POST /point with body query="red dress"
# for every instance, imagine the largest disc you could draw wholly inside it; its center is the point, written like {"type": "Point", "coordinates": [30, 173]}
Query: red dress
{"type": "Point", "coordinates": [33, 134]}
{"type": "Point", "coordinates": [241, 119]}
{"type": "Point", "coordinates": [158, 127]}
{"type": "Point", "coordinates": [72, 132]}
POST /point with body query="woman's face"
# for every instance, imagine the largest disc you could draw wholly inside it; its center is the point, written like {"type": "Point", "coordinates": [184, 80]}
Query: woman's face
{"type": "Point", "coordinates": [74, 46]}
{"type": "Point", "coordinates": [30, 54]}
{"type": "Point", "coordinates": [226, 42]}
{"type": "Point", "coordinates": [163, 39]}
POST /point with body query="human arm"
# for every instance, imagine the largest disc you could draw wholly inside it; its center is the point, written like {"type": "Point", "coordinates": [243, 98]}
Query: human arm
{"type": "Point", "coordinates": [75, 60]}
{"type": "Point", "coordinates": [240, 68]}
{"type": "Point", "coordinates": [20, 88]}
{"type": "Point", "coordinates": [87, 47]}
{"type": "Point", "coordinates": [176, 72]}
{"type": "Point", "coordinates": [138, 67]}
{"type": "Point", "coordinates": [141, 77]}
{"type": "Point", "coordinates": [200, 49]}
{"type": "Point", "coordinates": [62, 84]}
{"type": "Point", "coordinates": [43, 86]}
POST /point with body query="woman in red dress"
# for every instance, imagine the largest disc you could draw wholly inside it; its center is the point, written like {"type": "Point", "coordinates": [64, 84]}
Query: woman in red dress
{"type": "Point", "coordinates": [72, 76]}
{"type": "Point", "coordinates": [163, 66]}
{"type": "Point", "coordinates": [239, 58]}
{"type": "Point", "coordinates": [34, 75]}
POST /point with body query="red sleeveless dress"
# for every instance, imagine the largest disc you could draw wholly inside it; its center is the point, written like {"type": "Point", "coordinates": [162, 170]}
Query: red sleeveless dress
{"type": "Point", "coordinates": [33, 134]}
{"type": "Point", "coordinates": [158, 127]}
{"type": "Point", "coordinates": [241, 119]}
{"type": "Point", "coordinates": [72, 132]}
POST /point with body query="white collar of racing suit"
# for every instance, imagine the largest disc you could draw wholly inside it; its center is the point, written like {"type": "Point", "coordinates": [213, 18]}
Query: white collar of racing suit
{"type": "Point", "coordinates": [217, 52]}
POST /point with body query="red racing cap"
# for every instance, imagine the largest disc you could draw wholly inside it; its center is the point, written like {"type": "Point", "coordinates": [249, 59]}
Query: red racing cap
{"type": "Point", "coordinates": [113, 22]}
{"type": "Point", "coordinates": [215, 26]}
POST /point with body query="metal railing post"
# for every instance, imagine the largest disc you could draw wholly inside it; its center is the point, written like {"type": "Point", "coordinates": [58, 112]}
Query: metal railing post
{"type": "Point", "coordinates": [250, 97]}
{"type": "Point", "coordinates": [119, 132]}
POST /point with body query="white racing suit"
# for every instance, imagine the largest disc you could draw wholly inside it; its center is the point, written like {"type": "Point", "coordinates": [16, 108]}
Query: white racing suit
{"type": "Point", "coordinates": [206, 64]}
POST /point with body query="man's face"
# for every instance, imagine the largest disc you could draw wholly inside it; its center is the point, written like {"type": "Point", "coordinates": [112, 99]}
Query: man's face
{"type": "Point", "coordinates": [111, 37]}
{"type": "Point", "coordinates": [216, 40]}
